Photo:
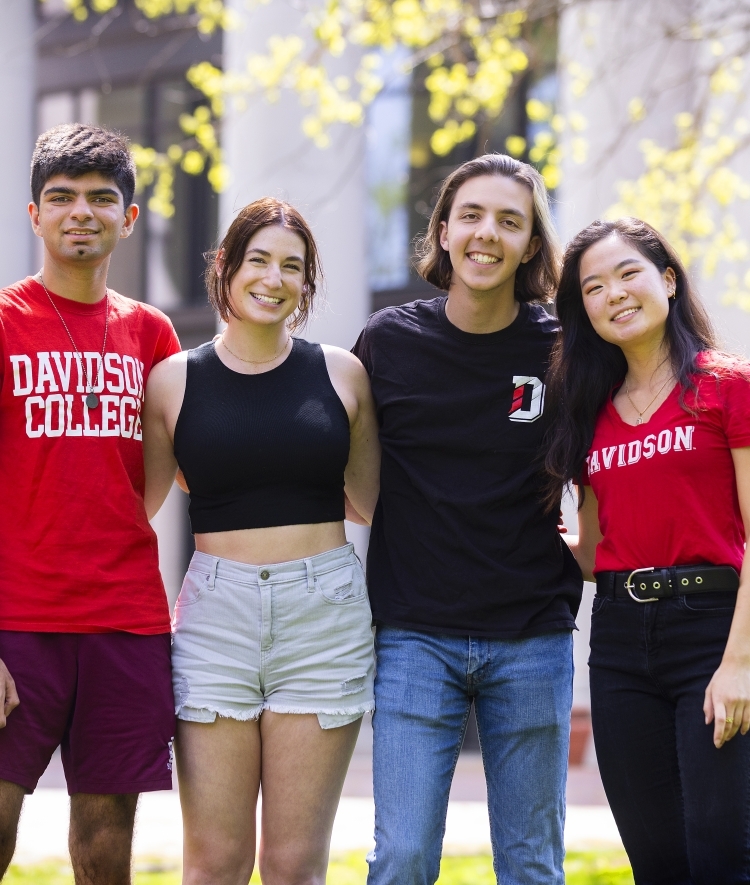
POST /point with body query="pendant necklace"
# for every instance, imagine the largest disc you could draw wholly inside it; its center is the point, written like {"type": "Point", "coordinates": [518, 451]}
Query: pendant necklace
{"type": "Point", "coordinates": [641, 414]}
{"type": "Point", "coordinates": [92, 400]}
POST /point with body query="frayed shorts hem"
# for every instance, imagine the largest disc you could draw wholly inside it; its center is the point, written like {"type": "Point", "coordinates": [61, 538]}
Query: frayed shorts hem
{"type": "Point", "coordinates": [326, 718]}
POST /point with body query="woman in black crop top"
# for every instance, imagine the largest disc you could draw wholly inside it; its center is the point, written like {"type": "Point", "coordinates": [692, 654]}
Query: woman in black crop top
{"type": "Point", "coordinates": [272, 654]}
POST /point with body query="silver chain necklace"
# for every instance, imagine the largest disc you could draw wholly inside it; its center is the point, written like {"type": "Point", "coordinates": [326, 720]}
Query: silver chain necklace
{"type": "Point", "coordinates": [92, 400]}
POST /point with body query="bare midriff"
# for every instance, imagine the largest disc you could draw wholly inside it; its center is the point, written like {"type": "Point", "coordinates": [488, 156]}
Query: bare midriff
{"type": "Point", "coordinates": [266, 546]}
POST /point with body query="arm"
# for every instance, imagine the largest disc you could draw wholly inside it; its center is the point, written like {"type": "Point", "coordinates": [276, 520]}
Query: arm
{"type": "Point", "coordinates": [8, 694]}
{"type": "Point", "coordinates": [584, 546]}
{"type": "Point", "coordinates": [362, 474]}
{"type": "Point", "coordinates": [164, 393]}
{"type": "Point", "coordinates": [728, 692]}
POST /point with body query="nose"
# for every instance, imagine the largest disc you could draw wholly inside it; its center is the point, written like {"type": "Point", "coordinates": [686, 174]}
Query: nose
{"type": "Point", "coordinates": [272, 276]}
{"type": "Point", "coordinates": [616, 293]}
{"type": "Point", "coordinates": [80, 209]}
{"type": "Point", "coordinates": [488, 230]}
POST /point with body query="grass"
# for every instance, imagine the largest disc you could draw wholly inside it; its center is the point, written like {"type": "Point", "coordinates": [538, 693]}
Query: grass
{"type": "Point", "coordinates": [581, 868]}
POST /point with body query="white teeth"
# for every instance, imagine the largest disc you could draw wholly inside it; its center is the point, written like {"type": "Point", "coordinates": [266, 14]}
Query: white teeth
{"type": "Point", "coordinates": [483, 259]}
{"type": "Point", "coordinates": [625, 313]}
{"type": "Point", "coordinates": [266, 299]}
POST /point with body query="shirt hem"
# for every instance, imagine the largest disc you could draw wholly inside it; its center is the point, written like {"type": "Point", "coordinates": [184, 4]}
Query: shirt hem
{"type": "Point", "coordinates": [537, 630]}
{"type": "Point", "coordinates": [36, 627]}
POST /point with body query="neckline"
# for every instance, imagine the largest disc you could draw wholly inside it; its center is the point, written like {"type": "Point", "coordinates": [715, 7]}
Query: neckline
{"type": "Point", "coordinates": [481, 339]}
{"type": "Point", "coordinates": [67, 305]}
{"type": "Point", "coordinates": [618, 416]}
{"type": "Point", "coordinates": [215, 353]}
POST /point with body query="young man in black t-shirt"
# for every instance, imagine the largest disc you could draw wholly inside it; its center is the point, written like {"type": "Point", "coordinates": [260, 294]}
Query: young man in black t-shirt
{"type": "Point", "coordinates": [472, 589]}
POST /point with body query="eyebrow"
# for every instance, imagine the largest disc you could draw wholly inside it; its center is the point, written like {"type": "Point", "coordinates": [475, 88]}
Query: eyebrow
{"type": "Point", "coordinates": [619, 266]}
{"type": "Point", "coordinates": [71, 191]}
{"type": "Point", "coordinates": [516, 212]}
{"type": "Point", "coordinates": [268, 255]}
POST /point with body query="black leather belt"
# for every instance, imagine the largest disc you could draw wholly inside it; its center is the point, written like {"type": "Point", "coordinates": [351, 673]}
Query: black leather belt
{"type": "Point", "coordinates": [650, 584]}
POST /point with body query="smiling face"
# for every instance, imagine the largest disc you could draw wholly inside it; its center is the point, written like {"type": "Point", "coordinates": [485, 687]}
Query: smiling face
{"type": "Point", "coordinates": [488, 234]}
{"type": "Point", "coordinates": [625, 295]}
{"type": "Point", "coordinates": [81, 219]}
{"type": "Point", "coordinates": [267, 287]}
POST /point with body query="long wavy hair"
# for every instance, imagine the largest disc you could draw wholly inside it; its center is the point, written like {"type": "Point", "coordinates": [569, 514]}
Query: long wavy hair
{"type": "Point", "coordinates": [536, 280]}
{"type": "Point", "coordinates": [585, 368]}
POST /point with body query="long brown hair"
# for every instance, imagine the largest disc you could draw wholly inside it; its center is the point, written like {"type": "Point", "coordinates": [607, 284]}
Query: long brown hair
{"type": "Point", "coordinates": [536, 280]}
{"type": "Point", "coordinates": [266, 212]}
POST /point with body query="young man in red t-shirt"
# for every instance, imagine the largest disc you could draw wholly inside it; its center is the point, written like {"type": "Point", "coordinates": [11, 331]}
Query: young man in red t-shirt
{"type": "Point", "coordinates": [84, 622]}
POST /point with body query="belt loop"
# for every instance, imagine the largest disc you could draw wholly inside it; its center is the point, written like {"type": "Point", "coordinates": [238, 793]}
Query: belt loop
{"type": "Point", "coordinates": [611, 581]}
{"type": "Point", "coordinates": [212, 574]}
{"type": "Point", "coordinates": [310, 575]}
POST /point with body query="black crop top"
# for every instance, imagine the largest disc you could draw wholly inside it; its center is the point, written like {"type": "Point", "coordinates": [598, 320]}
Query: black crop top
{"type": "Point", "coordinates": [262, 450]}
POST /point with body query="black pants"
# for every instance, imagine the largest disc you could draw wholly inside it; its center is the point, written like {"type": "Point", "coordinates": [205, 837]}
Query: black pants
{"type": "Point", "coordinates": [682, 807]}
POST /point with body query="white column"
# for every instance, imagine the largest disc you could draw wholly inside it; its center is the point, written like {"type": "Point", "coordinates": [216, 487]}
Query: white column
{"type": "Point", "coordinates": [17, 108]}
{"type": "Point", "coordinates": [269, 155]}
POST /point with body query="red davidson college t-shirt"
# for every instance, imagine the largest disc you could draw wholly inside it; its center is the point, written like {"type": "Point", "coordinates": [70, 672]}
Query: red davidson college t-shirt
{"type": "Point", "coordinates": [77, 554]}
{"type": "Point", "coordinates": [666, 489]}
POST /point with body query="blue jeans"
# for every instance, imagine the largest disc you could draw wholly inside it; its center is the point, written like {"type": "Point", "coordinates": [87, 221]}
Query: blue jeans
{"type": "Point", "coordinates": [424, 686]}
{"type": "Point", "coordinates": [681, 805]}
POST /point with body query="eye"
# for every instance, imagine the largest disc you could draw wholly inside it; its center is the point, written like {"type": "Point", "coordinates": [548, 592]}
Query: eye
{"type": "Point", "coordinates": [592, 290]}
{"type": "Point", "coordinates": [256, 259]}
{"type": "Point", "coordinates": [469, 216]}
{"type": "Point", "coordinates": [510, 222]}
{"type": "Point", "coordinates": [294, 267]}
{"type": "Point", "coordinates": [629, 273]}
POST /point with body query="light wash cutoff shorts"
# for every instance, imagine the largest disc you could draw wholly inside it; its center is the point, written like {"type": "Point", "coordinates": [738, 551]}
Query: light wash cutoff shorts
{"type": "Point", "coordinates": [290, 637]}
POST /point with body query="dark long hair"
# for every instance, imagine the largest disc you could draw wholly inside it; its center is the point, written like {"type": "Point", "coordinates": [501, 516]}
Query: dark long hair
{"type": "Point", "coordinates": [536, 280]}
{"type": "Point", "coordinates": [585, 368]}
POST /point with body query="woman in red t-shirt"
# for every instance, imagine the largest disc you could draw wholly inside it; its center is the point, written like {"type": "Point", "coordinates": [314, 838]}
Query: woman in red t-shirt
{"type": "Point", "coordinates": [654, 422]}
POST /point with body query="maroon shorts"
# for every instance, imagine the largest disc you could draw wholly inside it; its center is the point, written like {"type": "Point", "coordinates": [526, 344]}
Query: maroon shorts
{"type": "Point", "coordinates": [104, 698]}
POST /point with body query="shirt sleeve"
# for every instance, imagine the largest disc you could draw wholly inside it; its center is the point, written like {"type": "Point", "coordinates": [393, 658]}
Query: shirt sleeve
{"type": "Point", "coordinates": [736, 402]}
{"type": "Point", "coordinates": [167, 343]}
{"type": "Point", "coordinates": [361, 350]}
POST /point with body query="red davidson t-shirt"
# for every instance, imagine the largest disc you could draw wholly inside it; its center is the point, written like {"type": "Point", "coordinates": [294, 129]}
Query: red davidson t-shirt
{"type": "Point", "coordinates": [77, 554]}
{"type": "Point", "coordinates": [666, 489]}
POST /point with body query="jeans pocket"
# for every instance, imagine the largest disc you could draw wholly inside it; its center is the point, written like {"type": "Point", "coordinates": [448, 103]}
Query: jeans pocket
{"type": "Point", "coordinates": [600, 602]}
{"type": "Point", "coordinates": [722, 602]}
{"type": "Point", "coordinates": [192, 588]}
{"type": "Point", "coordinates": [343, 586]}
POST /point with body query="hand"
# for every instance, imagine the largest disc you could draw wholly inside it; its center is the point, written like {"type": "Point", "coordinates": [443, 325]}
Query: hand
{"type": "Point", "coordinates": [8, 694]}
{"type": "Point", "coordinates": [561, 525]}
{"type": "Point", "coordinates": [727, 701]}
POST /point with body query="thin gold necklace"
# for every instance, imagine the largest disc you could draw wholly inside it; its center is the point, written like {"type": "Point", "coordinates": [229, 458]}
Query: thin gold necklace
{"type": "Point", "coordinates": [256, 362]}
{"type": "Point", "coordinates": [641, 414]}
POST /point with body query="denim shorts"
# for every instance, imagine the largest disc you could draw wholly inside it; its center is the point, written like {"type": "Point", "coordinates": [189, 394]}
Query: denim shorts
{"type": "Point", "coordinates": [289, 637]}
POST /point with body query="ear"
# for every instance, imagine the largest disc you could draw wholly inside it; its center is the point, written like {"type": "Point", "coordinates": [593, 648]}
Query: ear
{"type": "Point", "coordinates": [131, 213]}
{"type": "Point", "coordinates": [219, 263]}
{"type": "Point", "coordinates": [444, 235]}
{"type": "Point", "coordinates": [670, 278]}
{"type": "Point", "coordinates": [34, 216]}
{"type": "Point", "coordinates": [535, 244]}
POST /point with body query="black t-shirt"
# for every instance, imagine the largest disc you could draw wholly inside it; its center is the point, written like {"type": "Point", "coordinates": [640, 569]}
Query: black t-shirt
{"type": "Point", "coordinates": [460, 542]}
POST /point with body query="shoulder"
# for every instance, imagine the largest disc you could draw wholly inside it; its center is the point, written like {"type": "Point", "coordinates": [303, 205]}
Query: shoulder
{"type": "Point", "coordinates": [404, 318]}
{"type": "Point", "coordinates": [343, 362]}
{"type": "Point", "coordinates": [138, 311]}
{"type": "Point", "coordinates": [540, 321]}
{"type": "Point", "coordinates": [19, 296]}
{"type": "Point", "coordinates": [168, 372]}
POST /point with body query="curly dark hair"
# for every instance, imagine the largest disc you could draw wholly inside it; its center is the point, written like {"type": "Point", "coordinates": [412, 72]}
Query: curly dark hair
{"type": "Point", "coordinates": [75, 149]}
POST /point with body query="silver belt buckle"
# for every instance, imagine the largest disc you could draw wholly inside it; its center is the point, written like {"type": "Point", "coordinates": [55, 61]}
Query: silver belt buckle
{"type": "Point", "coordinates": [630, 586]}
